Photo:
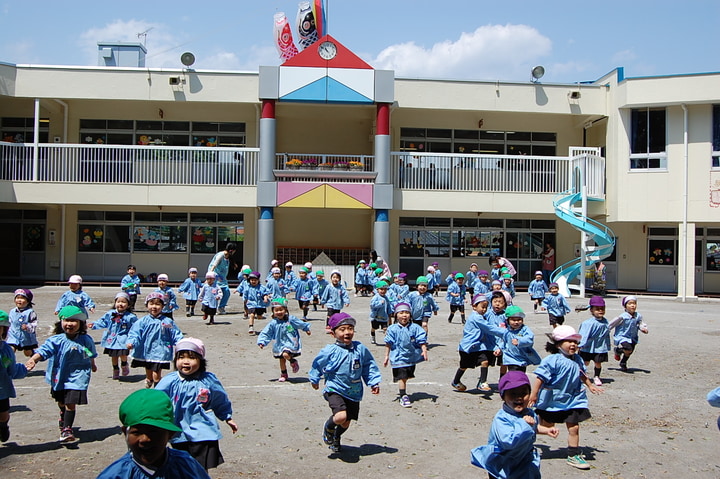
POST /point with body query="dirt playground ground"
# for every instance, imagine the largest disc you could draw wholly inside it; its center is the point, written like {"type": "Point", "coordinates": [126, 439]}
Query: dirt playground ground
{"type": "Point", "coordinates": [651, 422]}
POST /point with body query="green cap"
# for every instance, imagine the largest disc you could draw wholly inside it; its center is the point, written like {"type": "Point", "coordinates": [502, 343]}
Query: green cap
{"type": "Point", "coordinates": [4, 321]}
{"type": "Point", "coordinates": [246, 271]}
{"type": "Point", "coordinates": [148, 406]}
{"type": "Point", "coordinates": [72, 312]}
{"type": "Point", "coordinates": [279, 301]}
{"type": "Point", "coordinates": [514, 312]}
{"type": "Point", "coordinates": [381, 284]}
{"type": "Point", "coordinates": [378, 270]}
{"type": "Point", "coordinates": [459, 275]}
{"type": "Point", "coordinates": [373, 265]}
{"type": "Point", "coordinates": [319, 273]}
{"type": "Point", "coordinates": [303, 269]}
{"type": "Point", "coordinates": [507, 276]}
{"type": "Point", "coordinates": [421, 280]}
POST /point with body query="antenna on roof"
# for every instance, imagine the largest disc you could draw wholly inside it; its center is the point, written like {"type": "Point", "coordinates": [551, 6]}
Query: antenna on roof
{"type": "Point", "coordinates": [144, 35]}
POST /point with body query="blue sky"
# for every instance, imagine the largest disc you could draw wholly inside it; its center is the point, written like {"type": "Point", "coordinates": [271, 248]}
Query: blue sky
{"type": "Point", "coordinates": [456, 39]}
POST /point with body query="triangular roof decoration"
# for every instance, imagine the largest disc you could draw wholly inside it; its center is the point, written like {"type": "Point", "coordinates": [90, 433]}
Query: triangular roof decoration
{"type": "Point", "coordinates": [311, 58]}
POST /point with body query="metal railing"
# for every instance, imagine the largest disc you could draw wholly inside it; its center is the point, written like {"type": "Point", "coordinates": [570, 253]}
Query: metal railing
{"type": "Point", "coordinates": [71, 163]}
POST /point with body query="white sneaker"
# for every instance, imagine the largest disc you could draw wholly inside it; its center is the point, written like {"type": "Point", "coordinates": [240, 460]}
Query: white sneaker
{"type": "Point", "coordinates": [221, 311]}
{"type": "Point", "coordinates": [405, 401]}
{"type": "Point", "coordinates": [597, 381]}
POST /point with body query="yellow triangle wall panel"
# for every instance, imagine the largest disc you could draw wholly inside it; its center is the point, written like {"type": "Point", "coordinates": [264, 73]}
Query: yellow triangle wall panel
{"type": "Point", "coordinates": [314, 198]}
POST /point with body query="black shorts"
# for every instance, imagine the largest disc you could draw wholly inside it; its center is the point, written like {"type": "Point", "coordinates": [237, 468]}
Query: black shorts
{"type": "Point", "coordinates": [457, 307]}
{"type": "Point", "coordinates": [405, 372]}
{"type": "Point", "coordinates": [419, 322]}
{"type": "Point", "coordinates": [555, 319]}
{"type": "Point", "coordinates": [596, 357]}
{"type": "Point", "coordinates": [339, 403]}
{"type": "Point", "coordinates": [4, 405]}
{"type": "Point", "coordinates": [69, 396]}
{"type": "Point", "coordinates": [572, 416]}
{"type": "Point", "coordinates": [625, 346]}
{"type": "Point", "coordinates": [292, 354]}
{"type": "Point", "coordinates": [116, 353]}
{"type": "Point", "coordinates": [257, 311]}
{"type": "Point", "coordinates": [516, 367]}
{"type": "Point", "coordinates": [152, 366]}
{"type": "Point", "coordinates": [375, 324]}
{"type": "Point", "coordinates": [208, 310]}
{"type": "Point", "coordinates": [32, 347]}
{"type": "Point", "coordinates": [331, 311]}
{"type": "Point", "coordinates": [207, 453]}
{"type": "Point", "coordinates": [190, 302]}
{"type": "Point", "coordinates": [475, 358]}
{"type": "Point", "coordinates": [303, 304]}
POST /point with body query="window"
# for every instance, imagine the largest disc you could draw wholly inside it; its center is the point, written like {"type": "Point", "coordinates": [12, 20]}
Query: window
{"type": "Point", "coordinates": [648, 139]}
{"type": "Point", "coordinates": [156, 132]}
{"type": "Point", "coordinates": [482, 142]}
{"type": "Point", "coordinates": [716, 137]}
{"type": "Point", "coordinates": [21, 130]}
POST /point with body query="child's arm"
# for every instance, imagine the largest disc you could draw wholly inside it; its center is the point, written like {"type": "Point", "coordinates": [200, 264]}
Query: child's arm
{"type": "Point", "coordinates": [590, 385]}
{"type": "Point", "coordinates": [535, 390]}
{"type": "Point", "coordinates": [424, 351]}
{"type": "Point", "coordinates": [34, 359]}
{"type": "Point", "coordinates": [386, 361]}
{"type": "Point", "coordinates": [548, 431]}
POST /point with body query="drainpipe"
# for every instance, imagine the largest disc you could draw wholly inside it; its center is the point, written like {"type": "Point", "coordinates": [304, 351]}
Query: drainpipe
{"type": "Point", "coordinates": [65, 119]}
{"type": "Point", "coordinates": [685, 204]}
{"type": "Point", "coordinates": [62, 242]}
{"type": "Point", "coordinates": [36, 140]}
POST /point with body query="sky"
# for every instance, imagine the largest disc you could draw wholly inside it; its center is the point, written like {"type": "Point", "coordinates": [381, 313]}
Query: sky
{"type": "Point", "coordinates": [452, 39]}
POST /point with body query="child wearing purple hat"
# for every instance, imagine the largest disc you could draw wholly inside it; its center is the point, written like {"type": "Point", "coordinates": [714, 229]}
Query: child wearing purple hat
{"type": "Point", "coordinates": [405, 346]}
{"type": "Point", "coordinates": [345, 365]}
{"type": "Point", "coordinates": [510, 451]}
{"type": "Point", "coordinates": [23, 323]}
{"type": "Point", "coordinates": [595, 342]}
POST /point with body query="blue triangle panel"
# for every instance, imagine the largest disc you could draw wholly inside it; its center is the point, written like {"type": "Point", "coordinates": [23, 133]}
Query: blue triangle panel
{"type": "Point", "coordinates": [315, 91]}
{"type": "Point", "coordinates": [337, 92]}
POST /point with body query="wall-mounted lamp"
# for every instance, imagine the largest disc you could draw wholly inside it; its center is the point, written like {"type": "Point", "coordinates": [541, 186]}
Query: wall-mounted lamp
{"type": "Point", "coordinates": [574, 95]}
{"type": "Point", "coordinates": [537, 73]}
{"type": "Point", "coordinates": [174, 80]}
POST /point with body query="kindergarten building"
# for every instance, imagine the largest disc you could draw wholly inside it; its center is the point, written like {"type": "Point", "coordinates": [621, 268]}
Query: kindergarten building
{"type": "Point", "coordinates": [105, 166]}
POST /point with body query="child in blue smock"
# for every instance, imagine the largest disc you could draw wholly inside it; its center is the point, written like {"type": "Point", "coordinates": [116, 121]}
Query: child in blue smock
{"type": "Point", "coordinates": [400, 288]}
{"type": "Point", "coordinates": [508, 284]}
{"type": "Point", "coordinates": [151, 340]}
{"type": "Point", "coordinates": [556, 305]}
{"type": "Point", "coordinates": [559, 392]}
{"type": "Point", "coordinates": [23, 323]}
{"type": "Point", "coordinates": [477, 345]}
{"type": "Point", "coordinates": [422, 303]}
{"type": "Point", "coordinates": [320, 284]}
{"type": "Point", "coordinates": [284, 329]}
{"type": "Point", "coordinates": [118, 322]}
{"type": "Point", "coordinates": [361, 279]}
{"type": "Point", "coordinates": [71, 354]}
{"type": "Point", "coordinates": [345, 365]}
{"type": "Point", "coordinates": [190, 289]}
{"type": "Point", "coordinates": [433, 285]}
{"type": "Point", "coordinates": [75, 297]}
{"type": "Point", "coordinates": [130, 284]}
{"type": "Point", "coordinates": [380, 310]}
{"type": "Point", "coordinates": [169, 298]}
{"type": "Point", "coordinates": [256, 299]}
{"type": "Point", "coordinates": [516, 341]}
{"type": "Point", "coordinates": [199, 400]}
{"type": "Point", "coordinates": [510, 452]}
{"type": "Point", "coordinates": [595, 342]}
{"type": "Point", "coordinates": [334, 297]}
{"type": "Point", "coordinates": [210, 296]}
{"type": "Point", "coordinates": [438, 277]}
{"type": "Point", "coordinates": [537, 289]}
{"type": "Point", "coordinates": [455, 296]}
{"type": "Point", "coordinates": [304, 290]}
{"type": "Point", "coordinates": [405, 346]}
{"type": "Point", "coordinates": [276, 286]}
{"type": "Point", "coordinates": [626, 328]}
{"type": "Point", "coordinates": [9, 370]}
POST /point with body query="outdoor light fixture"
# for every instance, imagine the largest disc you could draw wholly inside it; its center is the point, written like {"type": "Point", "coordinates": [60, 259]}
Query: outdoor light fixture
{"type": "Point", "coordinates": [537, 73]}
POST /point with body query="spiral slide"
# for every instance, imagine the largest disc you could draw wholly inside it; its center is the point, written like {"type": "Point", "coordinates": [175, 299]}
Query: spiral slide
{"type": "Point", "coordinates": [600, 234]}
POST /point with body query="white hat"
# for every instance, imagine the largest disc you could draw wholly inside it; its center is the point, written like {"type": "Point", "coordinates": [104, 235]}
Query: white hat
{"type": "Point", "coordinates": [272, 263]}
{"type": "Point", "coordinates": [288, 264]}
{"type": "Point", "coordinates": [76, 278]}
{"type": "Point", "coordinates": [163, 277]}
{"type": "Point", "coordinates": [308, 265]}
{"type": "Point", "coordinates": [211, 274]}
{"type": "Point", "coordinates": [192, 270]}
{"type": "Point", "coordinates": [275, 270]}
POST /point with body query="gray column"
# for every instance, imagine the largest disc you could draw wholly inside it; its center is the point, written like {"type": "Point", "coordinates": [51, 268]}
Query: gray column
{"type": "Point", "coordinates": [381, 234]}
{"type": "Point", "coordinates": [267, 150]}
{"type": "Point", "coordinates": [266, 239]}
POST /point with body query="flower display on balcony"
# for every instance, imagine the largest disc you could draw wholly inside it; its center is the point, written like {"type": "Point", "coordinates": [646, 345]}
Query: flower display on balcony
{"type": "Point", "coordinates": [294, 162]}
{"type": "Point", "coordinates": [340, 165]}
{"type": "Point", "coordinates": [309, 163]}
{"type": "Point", "coordinates": [325, 166]}
{"type": "Point", "coordinates": [356, 165]}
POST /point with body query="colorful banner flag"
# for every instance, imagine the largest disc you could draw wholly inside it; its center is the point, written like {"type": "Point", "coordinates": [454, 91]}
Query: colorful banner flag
{"type": "Point", "coordinates": [306, 26]}
{"type": "Point", "coordinates": [319, 14]}
{"type": "Point", "coordinates": [283, 37]}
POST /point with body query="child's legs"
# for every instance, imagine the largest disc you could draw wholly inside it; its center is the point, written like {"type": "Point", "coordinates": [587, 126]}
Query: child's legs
{"type": "Point", "coordinates": [573, 434]}
{"type": "Point", "coordinates": [402, 384]}
{"type": "Point", "coordinates": [148, 374]}
{"type": "Point", "coordinates": [340, 418]}
{"type": "Point", "coordinates": [4, 416]}
{"type": "Point", "coordinates": [251, 319]}
{"type": "Point", "coordinates": [123, 359]}
{"type": "Point", "coordinates": [156, 376]}
{"type": "Point", "coordinates": [114, 361]}
{"type": "Point", "coordinates": [425, 325]}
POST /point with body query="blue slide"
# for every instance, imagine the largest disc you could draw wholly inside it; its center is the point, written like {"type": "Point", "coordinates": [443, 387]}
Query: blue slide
{"type": "Point", "coordinates": [602, 236]}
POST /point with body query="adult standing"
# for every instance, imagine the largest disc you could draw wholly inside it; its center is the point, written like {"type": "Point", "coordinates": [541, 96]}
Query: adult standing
{"type": "Point", "coordinates": [220, 264]}
{"type": "Point", "coordinates": [548, 262]}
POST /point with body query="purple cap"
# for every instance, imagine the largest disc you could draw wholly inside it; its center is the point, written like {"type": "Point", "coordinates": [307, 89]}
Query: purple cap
{"type": "Point", "coordinates": [402, 307]}
{"type": "Point", "coordinates": [479, 298]}
{"type": "Point", "coordinates": [597, 301]}
{"type": "Point", "coordinates": [340, 319]}
{"type": "Point", "coordinates": [512, 380]}
{"type": "Point", "coordinates": [25, 293]}
{"type": "Point", "coordinates": [482, 272]}
{"type": "Point", "coordinates": [554, 285]}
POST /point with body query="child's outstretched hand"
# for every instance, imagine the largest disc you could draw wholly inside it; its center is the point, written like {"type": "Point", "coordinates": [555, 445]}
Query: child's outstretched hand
{"type": "Point", "coordinates": [128, 346]}
{"type": "Point", "coordinates": [386, 361]}
{"type": "Point", "coordinates": [529, 419]}
{"type": "Point", "coordinates": [30, 364]}
{"type": "Point", "coordinates": [550, 431]}
{"type": "Point", "coordinates": [261, 346]}
{"type": "Point", "coordinates": [308, 332]}
{"type": "Point", "coordinates": [315, 386]}
{"type": "Point", "coordinates": [375, 389]}
{"type": "Point", "coordinates": [595, 390]}
{"type": "Point", "coordinates": [233, 426]}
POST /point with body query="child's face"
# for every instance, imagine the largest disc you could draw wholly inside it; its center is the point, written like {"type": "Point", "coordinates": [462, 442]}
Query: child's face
{"type": "Point", "coordinates": [422, 288]}
{"type": "Point", "coordinates": [254, 281]}
{"type": "Point", "coordinates": [335, 279]}
{"type": "Point", "coordinates": [279, 312]}
{"type": "Point", "coordinates": [70, 326]}
{"type": "Point", "coordinates": [147, 443]}
{"type": "Point", "coordinates": [303, 274]}
{"type": "Point", "coordinates": [517, 398]}
{"type": "Point", "coordinates": [121, 304]}
{"type": "Point", "coordinates": [496, 287]}
{"type": "Point", "coordinates": [162, 283]}
{"type": "Point", "coordinates": [131, 271]}
{"type": "Point", "coordinates": [21, 302]}
{"type": "Point", "coordinates": [460, 280]}
{"type": "Point", "coordinates": [74, 286]}
{"type": "Point", "coordinates": [210, 281]}
{"type": "Point", "coordinates": [382, 291]}
{"type": "Point", "coordinates": [538, 277]}
{"type": "Point", "coordinates": [193, 274]}
{"type": "Point", "coordinates": [515, 323]}
{"type": "Point", "coordinates": [473, 268]}
{"type": "Point", "coordinates": [498, 304]}
{"type": "Point", "coordinates": [401, 281]}
{"type": "Point", "coordinates": [320, 277]}
{"type": "Point", "coordinates": [155, 307]}
{"type": "Point", "coordinates": [344, 333]}
{"type": "Point", "coordinates": [483, 278]}
{"type": "Point", "coordinates": [568, 347]}
{"type": "Point", "coordinates": [187, 363]}
{"type": "Point", "coordinates": [508, 281]}
{"type": "Point", "coordinates": [403, 317]}
{"type": "Point", "coordinates": [631, 307]}
{"type": "Point", "coordinates": [554, 290]}
{"type": "Point", "coordinates": [598, 312]}
{"type": "Point", "coordinates": [276, 275]}
{"type": "Point", "coordinates": [481, 307]}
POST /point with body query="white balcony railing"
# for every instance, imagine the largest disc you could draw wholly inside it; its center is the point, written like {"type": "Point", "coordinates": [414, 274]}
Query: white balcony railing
{"type": "Point", "coordinates": [70, 163]}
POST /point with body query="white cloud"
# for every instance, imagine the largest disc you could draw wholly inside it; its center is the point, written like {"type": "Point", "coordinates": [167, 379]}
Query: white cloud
{"type": "Point", "coordinates": [492, 52]}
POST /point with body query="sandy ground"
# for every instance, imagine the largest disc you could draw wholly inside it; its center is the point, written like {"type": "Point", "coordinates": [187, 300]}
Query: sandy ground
{"type": "Point", "coordinates": [651, 422]}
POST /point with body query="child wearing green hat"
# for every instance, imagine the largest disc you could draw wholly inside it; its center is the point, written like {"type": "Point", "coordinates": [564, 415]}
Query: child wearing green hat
{"type": "Point", "coordinates": [422, 303]}
{"type": "Point", "coordinates": [147, 423]}
{"type": "Point", "coordinates": [9, 370]}
{"type": "Point", "coordinates": [71, 354]}
{"type": "Point", "coordinates": [284, 329]}
{"type": "Point", "coordinates": [380, 310]}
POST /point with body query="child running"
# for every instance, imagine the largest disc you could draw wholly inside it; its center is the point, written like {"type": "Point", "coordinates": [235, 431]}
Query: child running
{"type": "Point", "coordinates": [380, 310]}
{"type": "Point", "coordinates": [455, 296]}
{"type": "Point", "coordinates": [169, 298]}
{"type": "Point", "coordinates": [75, 297]}
{"type": "Point", "coordinates": [345, 365]}
{"type": "Point", "coordinates": [517, 341]}
{"type": "Point", "coordinates": [190, 290]}
{"type": "Point", "coordinates": [71, 354]}
{"type": "Point", "coordinates": [558, 393]}
{"type": "Point", "coordinates": [556, 305]}
{"type": "Point", "coordinates": [151, 340]}
{"type": "Point", "coordinates": [9, 370]}
{"type": "Point", "coordinates": [626, 328]}
{"type": "Point", "coordinates": [283, 329]}
{"type": "Point", "coordinates": [256, 299]}
{"type": "Point", "coordinates": [405, 346]}
{"type": "Point", "coordinates": [23, 323]}
{"type": "Point", "coordinates": [510, 451]}
{"type": "Point", "coordinates": [199, 400]}
{"type": "Point", "coordinates": [537, 289]}
{"type": "Point", "coordinates": [334, 297]}
{"type": "Point", "coordinates": [210, 296]}
{"type": "Point", "coordinates": [422, 303]}
{"type": "Point", "coordinates": [118, 322]}
{"type": "Point", "coordinates": [595, 343]}
{"type": "Point", "coordinates": [130, 284]}
{"type": "Point", "coordinates": [476, 345]}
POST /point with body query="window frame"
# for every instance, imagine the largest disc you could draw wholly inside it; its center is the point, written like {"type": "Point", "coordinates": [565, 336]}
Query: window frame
{"type": "Point", "coordinates": [646, 160]}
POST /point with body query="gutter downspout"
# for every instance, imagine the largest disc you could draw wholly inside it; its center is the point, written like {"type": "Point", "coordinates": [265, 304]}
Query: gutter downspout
{"type": "Point", "coordinates": [685, 203]}
{"type": "Point", "coordinates": [63, 213]}
{"type": "Point", "coordinates": [36, 140]}
{"type": "Point", "coordinates": [65, 119]}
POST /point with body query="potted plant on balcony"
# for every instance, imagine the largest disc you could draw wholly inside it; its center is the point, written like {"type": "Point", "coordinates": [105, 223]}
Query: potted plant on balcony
{"type": "Point", "coordinates": [356, 166]}
{"type": "Point", "coordinates": [341, 165]}
{"type": "Point", "coordinates": [325, 166]}
{"type": "Point", "coordinates": [309, 164]}
{"type": "Point", "coordinates": [293, 164]}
